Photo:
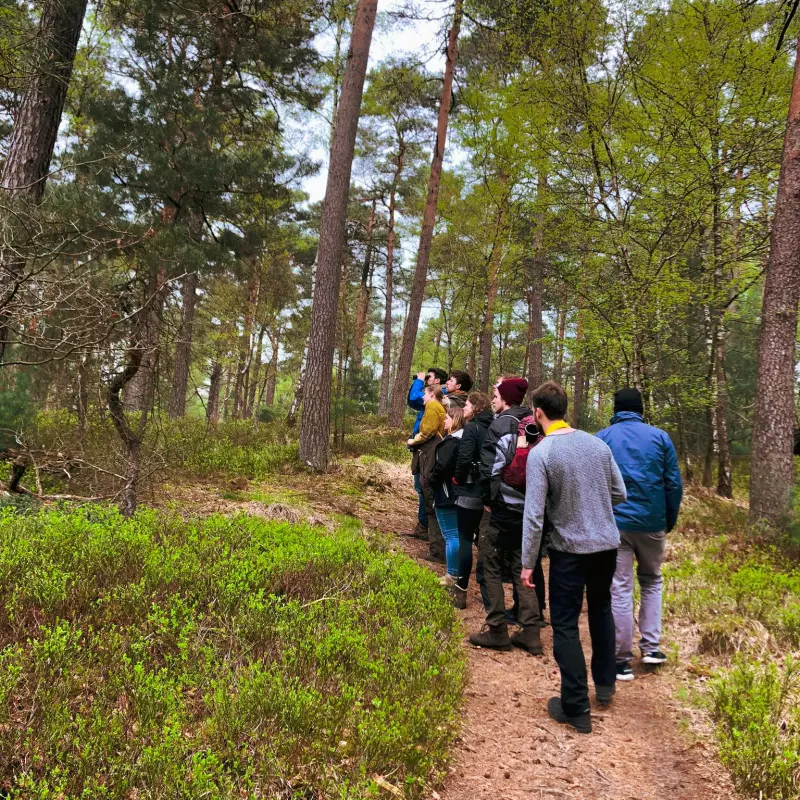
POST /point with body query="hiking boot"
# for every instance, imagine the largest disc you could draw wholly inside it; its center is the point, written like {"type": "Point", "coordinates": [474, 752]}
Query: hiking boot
{"type": "Point", "coordinates": [654, 657]}
{"type": "Point", "coordinates": [581, 722]}
{"type": "Point", "coordinates": [419, 532]}
{"type": "Point", "coordinates": [458, 596]}
{"type": "Point", "coordinates": [435, 558]}
{"type": "Point", "coordinates": [494, 637]}
{"type": "Point", "coordinates": [604, 695]}
{"type": "Point", "coordinates": [447, 580]}
{"type": "Point", "coordinates": [528, 639]}
{"type": "Point", "coordinates": [624, 671]}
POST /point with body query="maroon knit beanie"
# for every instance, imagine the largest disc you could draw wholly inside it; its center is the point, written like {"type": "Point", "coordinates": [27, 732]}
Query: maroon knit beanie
{"type": "Point", "coordinates": [512, 390]}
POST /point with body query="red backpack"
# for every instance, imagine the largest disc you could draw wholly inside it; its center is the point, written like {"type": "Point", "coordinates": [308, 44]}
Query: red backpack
{"type": "Point", "coordinates": [514, 472]}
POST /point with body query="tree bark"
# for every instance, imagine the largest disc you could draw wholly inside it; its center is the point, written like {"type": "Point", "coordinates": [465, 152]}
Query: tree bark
{"type": "Point", "coordinates": [772, 476]}
{"type": "Point", "coordinates": [272, 380]}
{"type": "Point", "coordinates": [316, 428]}
{"type": "Point", "coordinates": [386, 362]}
{"type": "Point", "coordinates": [579, 388]}
{"type": "Point", "coordinates": [403, 372]}
{"type": "Point", "coordinates": [255, 374]}
{"type": "Point", "coordinates": [33, 138]}
{"type": "Point", "coordinates": [561, 330]}
{"type": "Point", "coordinates": [362, 311]}
{"type": "Point", "coordinates": [183, 347]}
{"type": "Point", "coordinates": [214, 387]}
{"type": "Point", "coordinates": [535, 276]}
{"type": "Point", "coordinates": [246, 341]}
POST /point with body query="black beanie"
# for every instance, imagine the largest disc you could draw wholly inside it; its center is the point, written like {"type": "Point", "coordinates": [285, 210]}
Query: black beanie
{"type": "Point", "coordinates": [628, 400]}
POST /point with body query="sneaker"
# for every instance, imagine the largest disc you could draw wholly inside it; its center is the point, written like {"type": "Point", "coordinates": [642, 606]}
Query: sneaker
{"type": "Point", "coordinates": [447, 580]}
{"type": "Point", "coordinates": [624, 671]}
{"type": "Point", "coordinates": [528, 639]}
{"type": "Point", "coordinates": [458, 596]}
{"type": "Point", "coordinates": [581, 722]}
{"type": "Point", "coordinates": [604, 695]}
{"type": "Point", "coordinates": [654, 657]}
{"type": "Point", "coordinates": [494, 637]}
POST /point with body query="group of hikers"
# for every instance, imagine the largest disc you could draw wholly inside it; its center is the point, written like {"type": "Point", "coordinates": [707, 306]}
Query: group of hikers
{"type": "Point", "coordinates": [511, 476]}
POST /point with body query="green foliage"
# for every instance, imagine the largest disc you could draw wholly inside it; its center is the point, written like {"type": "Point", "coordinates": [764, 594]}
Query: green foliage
{"type": "Point", "coordinates": [758, 727]}
{"type": "Point", "coordinates": [223, 657]}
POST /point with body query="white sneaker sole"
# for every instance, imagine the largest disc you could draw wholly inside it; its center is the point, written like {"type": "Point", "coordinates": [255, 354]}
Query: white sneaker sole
{"type": "Point", "coordinates": [651, 660]}
{"type": "Point", "coordinates": [626, 677]}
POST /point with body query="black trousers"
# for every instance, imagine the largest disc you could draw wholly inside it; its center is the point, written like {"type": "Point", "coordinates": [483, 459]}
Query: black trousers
{"type": "Point", "coordinates": [502, 545]}
{"type": "Point", "coordinates": [570, 574]}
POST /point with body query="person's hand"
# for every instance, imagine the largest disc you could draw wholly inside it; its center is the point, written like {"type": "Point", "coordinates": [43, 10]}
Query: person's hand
{"type": "Point", "coordinates": [526, 578]}
{"type": "Point", "coordinates": [410, 442]}
{"type": "Point", "coordinates": [488, 508]}
{"type": "Point", "coordinates": [420, 376]}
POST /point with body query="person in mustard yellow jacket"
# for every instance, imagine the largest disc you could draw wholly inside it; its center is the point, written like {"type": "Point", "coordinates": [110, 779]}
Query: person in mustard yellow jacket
{"type": "Point", "coordinates": [423, 446]}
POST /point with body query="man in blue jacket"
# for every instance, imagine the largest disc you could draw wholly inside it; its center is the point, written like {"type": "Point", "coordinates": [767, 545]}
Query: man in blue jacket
{"type": "Point", "coordinates": [649, 465]}
{"type": "Point", "coordinates": [433, 377]}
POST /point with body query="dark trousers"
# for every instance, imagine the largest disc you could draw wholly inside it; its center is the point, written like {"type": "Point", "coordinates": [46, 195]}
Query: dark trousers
{"type": "Point", "coordinates": [501, 546]}
{"type": "Point", "coordinates": [422, 513]}
{"type": "Point", "coordinates": [570, 574]}
{"type": "Point", "coordinates": [435, 539]}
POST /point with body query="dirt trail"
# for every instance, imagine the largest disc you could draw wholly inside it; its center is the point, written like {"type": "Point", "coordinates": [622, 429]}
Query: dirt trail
{"type": "Point", "coordinates": [509, 749]}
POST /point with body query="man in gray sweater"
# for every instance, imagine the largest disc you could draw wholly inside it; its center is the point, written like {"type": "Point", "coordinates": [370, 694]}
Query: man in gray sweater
{"type": "Point", "coordinates": [573, 475]}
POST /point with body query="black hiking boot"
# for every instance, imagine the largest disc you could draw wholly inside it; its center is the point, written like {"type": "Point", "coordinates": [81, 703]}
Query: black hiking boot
{"type": "Point", "coordinates": [435, 558]}
{"type": "Point", "coordinates": [528, 639]}
{"type": "Point", "coordinates": [581, 722]}
{"type": "Point", "coordinates": [458, 596]}
{"type": "Point", "coordinates": [494, 637]}
{"type": "Point", "coordinates": [604, 695]}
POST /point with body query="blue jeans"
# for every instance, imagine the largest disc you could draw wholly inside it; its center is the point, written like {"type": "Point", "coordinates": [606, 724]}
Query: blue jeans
{"type": "Point", "coordinates": [422, 514]}
{"type": "Point", "coordinates": [448, 522]}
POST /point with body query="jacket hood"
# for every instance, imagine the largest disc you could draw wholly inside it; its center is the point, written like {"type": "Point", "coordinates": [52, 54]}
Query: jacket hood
{"type": "Point", "coordinates": [623, 416]}
{"type": "Point", "coordinates": [483, 418]}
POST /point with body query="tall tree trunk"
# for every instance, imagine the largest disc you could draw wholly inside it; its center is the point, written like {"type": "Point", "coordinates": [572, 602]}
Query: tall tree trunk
{"type": "Point", "coordinates": [535, 278]}
{"type": "Point", "coordinates": [579, 387]}
{"type": "Point", "coordinates": [255, 374]}
{"type": "Point", "coordinates": [362, 311]}
{"type": "Point", "coordinates": [214, 387]}
{"type": "Point", "coordinates": [246, 341]}
{"type": "Point", "coordinates": [316, 428]}
{"type": "Point", "coordinates": [772, 476]}
{"type": "Point", "coordinates": [561, 330]}
{"type": "Point", "coordinates": [487, 328]}
{"type": "Point", "coordinates": [139, 389]}
{"type": "Point", "coordinates": [386, 361]}
{"type": "Point", "coordinates": [35, 130]}
{"type": "Point", "coordinates": [403, 372]}
{"type": "Point", "coordinates": [183, 347]}
{"type": "Point", "coordinates": [272, 380]}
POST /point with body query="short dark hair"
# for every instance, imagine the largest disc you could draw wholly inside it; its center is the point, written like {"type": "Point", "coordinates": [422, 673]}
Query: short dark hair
{"type": "Point", "coordinates": [439, 373]}
{"type": "Point", "coordinates": [551, 399]}
{"type": "Point", "coordinates": [463, 379]}
{"type": "Point", "coordinates": [480, 401]}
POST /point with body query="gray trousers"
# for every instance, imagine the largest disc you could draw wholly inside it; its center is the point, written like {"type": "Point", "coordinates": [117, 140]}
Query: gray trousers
{"type": "Point", "coordinates": [648, 550]}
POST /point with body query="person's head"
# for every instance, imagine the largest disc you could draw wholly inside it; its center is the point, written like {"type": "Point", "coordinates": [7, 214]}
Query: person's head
{"type": "Point", "coordinates": [550, 403]}
{"type": "Point", "coordinates": [504, 377]}
{"type": "Point", "coordinates": [476, 402]}
{"type": "Point", "coordinates": [628, 399]}
{"type": "Point", "coordinates": [459, 381]}
{"type": "Point", "coordinates": [433, 393]}
{"type": "Point", "coordinates": [435, 376]}
{"type": "Point", "coordinates": [509, 393]}
{"type": "Point", "coordinates": [454, 421]}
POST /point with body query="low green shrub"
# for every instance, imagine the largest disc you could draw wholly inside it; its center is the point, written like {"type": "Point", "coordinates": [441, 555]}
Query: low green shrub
{"type": "Point", "coordinates": [758, 727]}
{"type": "Point", "coordinates": [220, 657]}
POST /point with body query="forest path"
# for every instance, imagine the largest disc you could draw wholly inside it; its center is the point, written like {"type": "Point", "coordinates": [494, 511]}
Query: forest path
{"type": "Point", "coordinates": [508, 748]}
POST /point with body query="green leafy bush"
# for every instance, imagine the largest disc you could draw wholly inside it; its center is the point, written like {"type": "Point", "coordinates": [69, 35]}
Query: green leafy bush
{"type": "Point", "coordinates": [758, 727]}
{"type": "Point", "coordinates": [224, 657]}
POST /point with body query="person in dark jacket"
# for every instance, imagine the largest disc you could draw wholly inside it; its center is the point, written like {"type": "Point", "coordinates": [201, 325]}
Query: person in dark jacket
{"type": "Point", "coordinates": [649, 465]}
{"type": "Point", "coordinates": [469, 503]}
{"type": "Point", "coordinates": [444, 490]}
{"type": "Point", "coordinates": [503, 539]}
{"type": "Point", "coordinates": [416, 402]}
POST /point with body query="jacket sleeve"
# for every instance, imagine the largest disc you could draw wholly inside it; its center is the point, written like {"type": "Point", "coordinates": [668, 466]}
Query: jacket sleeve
{"type": "Point", "coordinates": [466, 454]}
{"type": "Point", "coordinates": [619, 494]}
{"type": "Point", "coordinates": [536, 488]}
{"type": "Point", "coordinates": [415, 395]}
{"type": "Point", "coordinates": [494, 457]}
{"type": "Point", "coordinates": [673, 486]}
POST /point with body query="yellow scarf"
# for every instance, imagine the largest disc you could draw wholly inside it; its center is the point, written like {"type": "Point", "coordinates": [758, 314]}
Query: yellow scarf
{"type": "Point", "coordinates": [556, 426]}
